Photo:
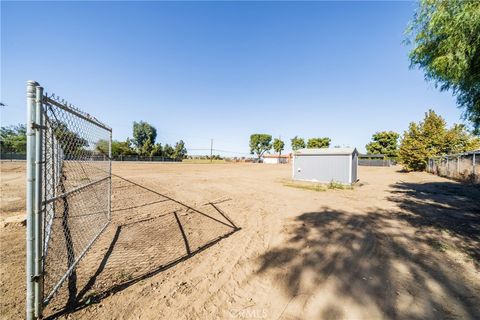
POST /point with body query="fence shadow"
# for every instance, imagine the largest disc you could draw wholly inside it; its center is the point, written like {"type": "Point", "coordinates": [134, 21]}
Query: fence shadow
{"type": "Point", "coordinates": [382, 263]}
{"type": "Point", "coordinates": [150, 232]}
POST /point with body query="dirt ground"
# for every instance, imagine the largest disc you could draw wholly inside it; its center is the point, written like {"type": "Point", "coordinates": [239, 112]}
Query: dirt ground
{"type": "Point", "coordinates": [397, 246]}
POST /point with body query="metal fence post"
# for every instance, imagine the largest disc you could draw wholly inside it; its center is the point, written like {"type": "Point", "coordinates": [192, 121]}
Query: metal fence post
{"type": "Point", "coordinates": [30, 200]}
{"type": "Point", "coordinates": [473, 169]}
{"type": "Point", "coordinates": [458, 165]}
{"type": "Point", "coordinates": [38, 203]}
{"type": "Point", "coordinates": [110, 180]}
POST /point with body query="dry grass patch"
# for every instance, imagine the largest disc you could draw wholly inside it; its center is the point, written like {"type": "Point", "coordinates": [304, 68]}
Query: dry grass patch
{"type": "Point", "coordinates": [313, 186]}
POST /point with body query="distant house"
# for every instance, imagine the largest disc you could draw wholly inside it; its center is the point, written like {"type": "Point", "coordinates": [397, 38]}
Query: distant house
{"type": "Point", "coordinates": [325, 165]}
{"type": "Point", "coordinates": [276, 159]}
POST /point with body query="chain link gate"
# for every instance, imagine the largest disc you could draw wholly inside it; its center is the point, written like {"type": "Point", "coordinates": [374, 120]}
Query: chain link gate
{"type": "Point", "coordinates": [68, 192]}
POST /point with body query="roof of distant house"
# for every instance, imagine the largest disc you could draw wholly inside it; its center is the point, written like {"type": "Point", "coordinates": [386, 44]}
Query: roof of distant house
{"type": "Point", "coordinates": [326, 151]}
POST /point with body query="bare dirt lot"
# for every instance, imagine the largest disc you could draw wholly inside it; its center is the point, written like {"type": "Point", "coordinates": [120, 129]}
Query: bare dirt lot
{"type": "Point", "coordinates": [397, 246]}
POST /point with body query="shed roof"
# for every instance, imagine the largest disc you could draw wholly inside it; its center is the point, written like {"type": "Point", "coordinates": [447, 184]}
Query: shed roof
{"type": "Point", "coordinates": [326, 151]}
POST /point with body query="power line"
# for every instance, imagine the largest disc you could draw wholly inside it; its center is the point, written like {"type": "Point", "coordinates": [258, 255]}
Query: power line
{"type": "Point", "coordinates": [227, 151]}
{"type": "Point", "coordinates": [218, 150]}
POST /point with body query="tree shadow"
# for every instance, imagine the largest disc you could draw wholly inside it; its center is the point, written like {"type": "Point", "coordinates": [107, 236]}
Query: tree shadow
{"type": "Point", "coordinates": [150, 232]}
{"type": "Point", "coordinates": [382, 263]}
{"type": "Point", "coordinates": [447, 207]}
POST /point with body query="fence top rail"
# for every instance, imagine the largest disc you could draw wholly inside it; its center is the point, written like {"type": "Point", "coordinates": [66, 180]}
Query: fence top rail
{"type": "Point", "coordinates": [373, 155]}
{"type": "Point", "coordinates": [77, 112]}
{"type": "Point", "coordinates": [469, 153]}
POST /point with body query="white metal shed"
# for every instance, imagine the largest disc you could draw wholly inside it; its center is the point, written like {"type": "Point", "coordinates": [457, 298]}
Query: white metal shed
{"type": "Point", "coordinates": [326, 165]}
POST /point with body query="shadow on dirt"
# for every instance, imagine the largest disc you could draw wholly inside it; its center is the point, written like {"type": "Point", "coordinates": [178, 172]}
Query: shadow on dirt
{"type": "Point", "coordinates": [448, 207]}
{"type": "Point", "coordinates": [386, 263]}
{"type": "Point", "coordinates": [150, 232]}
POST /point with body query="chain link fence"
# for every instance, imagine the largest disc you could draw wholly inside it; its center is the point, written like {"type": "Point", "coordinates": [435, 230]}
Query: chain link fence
{"type": "Point", "coordinates": [12, 156]}
{"type": "Point", "coordinates": [463, 167]}
{"type": "Point", "coordinates": [68, 192]}
{"type": "Point", "coordinates": [15, 156]}
{"type": "Point", "coordinates": [144, 158]}
{"type": "Point", "coordinates": [375, 160]}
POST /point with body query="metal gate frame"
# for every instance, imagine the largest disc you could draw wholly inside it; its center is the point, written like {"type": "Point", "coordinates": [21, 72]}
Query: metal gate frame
{"type": "Point", "coordinates": [36, 198]}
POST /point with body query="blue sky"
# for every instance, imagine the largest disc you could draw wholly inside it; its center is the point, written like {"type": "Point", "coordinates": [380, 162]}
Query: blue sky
{"type": "Point", "coordinates": [221, 70]}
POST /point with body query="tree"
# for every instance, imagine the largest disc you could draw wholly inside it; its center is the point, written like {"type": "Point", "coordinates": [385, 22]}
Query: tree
{"type": "Point", "coordinates": [157, 150]}
{"type": "Point", "coordinates": [260, 143]}
{"type": "Point", "coordinates": [142, 131]}
{"type": "Point", "coordinates": [71, 142]}
{"type": "Point", "coordinates": [431, 138]}
{"type": "Point", "coordinates": [446, 39]}
{"type": "Point", "coordinates": [168, 151]}
{"type": "Point", "coordinates": [318, 143]}
{"type": "Point", "coordinates": [297, 143]}
{"type": "Point", "coordinates": [278, 145]}
{"type": "Point", "coordinates": [13, 138]}
{"type": "Point", "coordinates": [146, 149]}
{"type": "Point", "coordinates": [180, 151]}
{"type": "Point", "coordinates": [119, 148]}
{"type": "Point", "coordinates": [458, 139]}
{"type": "Point", "coordinates": [413, 152]}
{"type": "Point", "coordinates": [102, 146]}
{"type": "Point", "coordinates": [433, 130]}
{"type": "Point", "coordinates": [384, 142]}
{"type": "Point", "coordinates": [124, 147]}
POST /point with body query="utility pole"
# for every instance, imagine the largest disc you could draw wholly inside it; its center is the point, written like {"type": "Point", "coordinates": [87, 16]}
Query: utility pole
{"type": "Point", "coordinates": [279, 138]}
{"type": "Point", "coordinates": [211, 150]}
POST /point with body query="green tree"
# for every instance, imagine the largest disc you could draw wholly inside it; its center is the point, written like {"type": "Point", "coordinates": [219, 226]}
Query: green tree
{"type": "Point", "coordinates": [168, 151]}
{"type": "Point", "coordinates": [318, 143]}
{"type": "Point", "coordinates": [446, 39]}
{"type": "Point", "coordinates": [102, 146]}
{"type": "Point", "coordinates": [71, 142]}
{"type": "Point", "coordinates": [146, 149]}
{"type": "Point", "coordinates": [384, 142]}
{"type": "Point", "coordinates": [260, 143]}
{"type": "Point", "coordinates": [119, 148]}
{"type": "Point", "coordinates": [431, 138]}
{"type": "Point", "coordinates": [278, 145]}
{"type": "Point", "coordinates": [180, 152]}
{"type": "Point", "coordinates": [457, 140]}
{"type": "Point", "coordinates": [142, 131]}
{"type": "Point", "coordinates": [297, 143]}
{"type": "Point", "coordinates": [124, 147]}
{"type": "Point", "coordinates": [433, 129]}
{"type": "Point", "coordinates": [413, 152]}
{"type": "Point", "coordinates": [13, 138]}
{"type": "Point", "coordinates": [157, 150]}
